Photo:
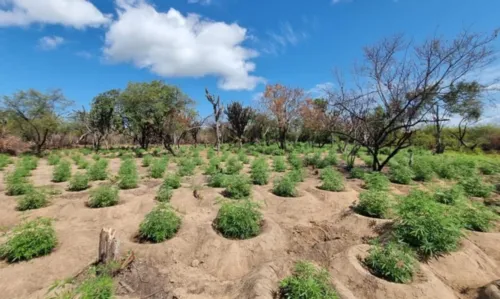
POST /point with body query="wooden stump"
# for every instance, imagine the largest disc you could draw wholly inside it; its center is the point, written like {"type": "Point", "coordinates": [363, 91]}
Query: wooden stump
{"type": "Point", "coordinates": [108, 246]}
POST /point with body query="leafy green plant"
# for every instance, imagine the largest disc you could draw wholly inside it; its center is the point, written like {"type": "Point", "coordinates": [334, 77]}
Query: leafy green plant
{"type": "Point", "coordinates": [173, 181]}
{"type": "Point", "coordinates": [103, 196]}
{"type": "Point", "coordinates": [401, 174]}
{"type": "Point", "coordinates": [147, 160]}
{"type": "Point", "coordinates": [61, 172]}
{"type": "Point", "coordinates": [238, 220]}
{"type": "Point", "coordinates": [478, 217]}
{"type": "Point", "coordinates": [422, 170]}
{"type": "Point", "coordinates": [295, 161]}
{"type": "Point", "coordinates": [96, 287]}
{"type": "Point", "coordinates": [307, 282]}
{"type": "Point", "coordinates": [376, 181]}
{"type": "Point", "coordinates": [233, 166]}
{"type": "Point", "coordinates": [331, 158]}
{"type": "Point", "coordinates": [260, 172]}
{"type": "Point", "coordinates": [29, 240]}
{"type": "Point", "coordinates": [243, 157]}
{"type": "Point", "coordinates": [450, 196]}
{"type": "Point", "coordinates": [29, 162]}
{"type": "Point", "coordinates": [332, 180]}
{"type": "Point", "coordinates": [160, 224]}
{"type": "Point", "coordinates": [474, 186]}
{"type": "Point", "coordinates": [53, 159]}
{"type": "Point", "coordinates": [285, 187]}
{"type": "Point", "coordinates": [164, 193]}
{"type": "Point", "coordinates": [128, 176]}
{"type": "Point", "coordinates": [158, 167]}
{"type": "Point", "coordinates": [186, 167]}
{"type": "Point", "coordinates": [357, 173]}
{"type": "Point", "coordinates": [297, 175]}
{"type": "Point", "coordinates": [374, 203]}
{"type": "Point", "coordinates": [79, 182]}
{"type": "Point", "coordinates": [218, 180]}
{"type": "Point", "coordinates": [33, 199]}
{"type": "Point", "coordinates": [4, 161]}
{"type": "Point", "coordinates": [279, 164]}
{"type": "Point", "coordinates": [213, 166]}
{"type": "Point", "coordinates": [98, 170]}
{"type": "Point", "coordinates": [238, 187]}
{"type": "Point", "coordinates": [426, 225]}
{"type": "Point", "coordinates": [489, 168]}
{"type": "Point", "coordinates": [392, 261]}
{"type": "Point", "coordinates": [17, 184]}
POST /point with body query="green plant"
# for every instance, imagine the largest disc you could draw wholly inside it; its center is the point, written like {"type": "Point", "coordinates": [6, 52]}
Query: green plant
{"type": "Point", "coordinates": [238, 220]}
{"type": "Point", "coordinates": [17, 184]}
{"type": "Point", "coordinates": [158, 168]}
{"type": "Point", "coordinates": [444, 169]}
{"type": "Point", "coordinates": [285, 186]}
{"type": "Point", "coordinates": [243, 157]}
{"type": "Point", "coordinates": [218, 180]}
{"type": "Point", "coordinates": [53, 159]}
{"type": "Point", "coordinates": [426, 225]}
{"type": "Point", "coordinates": [79, 182]}
{"type": "Point", "coordinates": [233, 166]}
{"type": "Point", "coordinates": [29, 162]}
{"type": "Point", "coordinates": [96, 287]}
{"type": "Point", "coordinates": [392, 261]}
{"type": "Point", "coordinates": [128, 176]}
{"type": "Point", "coordinates": [332, 180]}
{"type": "Point", "coordinates": [331, 158]}
{"type": "Point", "coordinates": [164, 193]}
{"type": "Point", "coordinates": [295, 161]}
{"type": "Point", "coordinates": [374, 203]}
{"type": "Point", "coordinates": [173, 181]}
{"type": "Point", "coordinates": [489, 168]}
{"type": "Point", "coordinates": [297, 175]}
{"type": "Point", "coordinates": [103, 196]}
{"type": "Point", "coordinates": [238, 187]}
{"type": "Point", "coordinates": [98, 170]}
{"type": "Point", "coordinates": [213, 166]}
{"type": "Point", "coordinates": [61, 172]}
{"type": "Point", "coordinates": [186, 167]}
{"type": "Point", "coordinates": [401, 174]}
{"type": "Point", "coordinates": [474, 186]}
{"type": "Point", "coordinates": [33, 199]}
{"type": "Point", "coordinates": [478, 217]}
{"type": "Point", "coordinates": [376, 181]}
{"type": "Point", "coordinates": [147, 160]}
{"type": "Point", "coordinates": [279, 164]}
{"type": "Point", "coordinates": [29, 240]}
{"type": "Point", "coordinates": [422, 169]}
{"type": "Point", "coordinates": [260, 172]}
{"type": "Point", "coordinates": [4, 161]}
{"type": "Point", "coordinates": [160, 224]}
{"type": "Point", "coordinates": [307, 282]}
{"type": "Point", "coordinates": [357, 173]}
{"type": "Point", "coordinates": [450, 196]}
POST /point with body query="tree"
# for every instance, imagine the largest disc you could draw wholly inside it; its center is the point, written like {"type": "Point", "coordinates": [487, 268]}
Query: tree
{"type": "Point", "coordinates": [316, 120]}
{"type": "Point", "coordinates": [399, 83]}
{"type": "Point", "coordinates": [36, 114]}
{"type": "Point", "coordinates": [238, 118]}
{"type": "Point", "coordinates": [218, 108]}
{"type": "Point", "coordinates": [283, 103]}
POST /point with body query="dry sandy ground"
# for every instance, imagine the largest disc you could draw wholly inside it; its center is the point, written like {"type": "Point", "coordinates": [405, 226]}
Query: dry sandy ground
{"type": "Point", "coordinates": [200, 264]}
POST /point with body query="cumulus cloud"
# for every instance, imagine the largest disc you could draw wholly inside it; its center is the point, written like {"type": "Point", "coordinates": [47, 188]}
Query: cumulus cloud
{"type": "Point", "coordinates": [50, 42]}
{"type": "Point", "coordinates": [73, 13]}
{"type": "Point", "coordinates": [174, 45]}
{"type": "Point", "coordinates": [320, 89]}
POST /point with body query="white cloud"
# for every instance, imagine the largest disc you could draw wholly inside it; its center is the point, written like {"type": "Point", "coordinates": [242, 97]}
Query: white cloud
{"type": "Point", "coordinates": [279, 40]}
{"type": "Point", "coordinates": [202, 2]}
{"type": "Point", "coordinates": [173, 45]}
{"type": "Point", "coordinates": [84, 54]}
{"type": "Point", "coordinates": [73, 13]}
{"type": "Point", "coordinates": [50, 42]}
{"type": "Point", "coordinates": [320, 90]}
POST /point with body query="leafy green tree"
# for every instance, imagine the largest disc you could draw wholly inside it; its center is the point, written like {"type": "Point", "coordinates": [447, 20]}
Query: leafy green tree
{"type": "Point", "coordinates": [102, 116]}
{"type": "Point", "coordinates": [239, 118]}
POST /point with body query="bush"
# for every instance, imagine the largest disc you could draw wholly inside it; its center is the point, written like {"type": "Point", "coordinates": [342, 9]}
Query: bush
{"type": "Point", "coordinates": [218, 180]}
{"type": "Point", "coordinates": [97, 171]}
{"type": "Point", "coordinates": [392, 261]}
{"type": "Point", "coordinates": [426, 225]}
{"type": "Point", "coordinates": [29, 162]}
{"type": "Point", "coordinates": [173, 181]}
{"type": "Point", "coordinates": [295, 161]}
{"type": "Point", "coordinates": [80, 161]}
{"type": "Point", "coordinates": [238, 220]}
{"type": "Point", "coordinates": [96, 287]}
{"type": "Point", "coordinates": [401, 174]}
{"type": "Point", "coordinates": [478, 217]}
{"type": "Point", "coordinates": [297, 175]}
{"type": "Point", "coordinates": [34, 199]}
{"type": "Point", "coordinates": [213, 166]}
{"type": "Point", "coordinates": [164, 193]}
{"type": "Point", "coordinates": [489, 168]}
{"type": "Point", "coordinates": [374, 203]}
{"type": "Point", "coordinates": [332, 180]}
{"type": "Point", "coordinates": [445, 169]}
{"type": "Point", "coordinates": [79, 182]}
{"type": "Point", "coordinates": [285, 186]}
{"type": "Point", "coordinates": [356, 173]}
{"type": "Point", "coordinates": [128, 176]}
{"type": "Point", "coordinates": [186, 167]}
{"type": "Point", "coordinates": [61, 172]}
{"type": "Point", "coordinates": [29, 240]}
{"type": "Point", "coordinates": [307, 282]}
{"type": "Point", "coordinates": [4, 161]}
{"type": "Point", "coordinates": [242, 156]}
{"type": "Point", "coordinates": [260, 172]}
{"type": "Point", "coordinates": [331, 159]}
{"type": "Point", "coordinates": [147, 160]}
{"type": "Point", "coordinates": [53, 159]}
{"type": "Point", "coordinates": [160, 224]}
{"type": "Point", "coordinates": [238, 187]}
{"type": "Point", "coordinates": [158, 168]}
{"type": "Point", "coordinates": [103, 196]}
{"type": "Point", "coordinates": [376, 181]}
{"type": "Point", "coordinates": [233, 166]}
{"type": "Point", "coordinates": [474, 186]}
{"type": "Point", "coordinates": [17, 184]}
{"type": "Point", "coordinates": [422, 170]}
{"type": "Point", "coordinates": [279, 164]}
{"type": "Point", "coordinates": [450, 196]}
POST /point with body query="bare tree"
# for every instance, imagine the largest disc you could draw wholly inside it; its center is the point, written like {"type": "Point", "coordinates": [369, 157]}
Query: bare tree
{"type": "Point", "coordinates": [398, 85]}
{"type": "Point", "coordinates": [218, 109]}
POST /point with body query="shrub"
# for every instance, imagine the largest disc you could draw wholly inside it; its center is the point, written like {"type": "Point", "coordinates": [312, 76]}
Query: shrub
{"type": "Point", "coordinates": [376, 181]}
{"type": "Point", "coordinates": [308, 282]}
{"type": "Point", "coordinates": [474, 186]}
{"type": "Point", "coordinates": [356, 173]}
{"type": "Point", "coordinates": [186, 167]}
{"type": "Point", "coordinates": [285, 186]}
{"type": "Point", "coordinates": [53, 159]}
{"type": "Point", "coordinates": [260, 172]}
{"type": "Point", "coordinates": [29, 162]}
{"type": "Point", "coordinates": [164, 193]}
{"type": "Point", "coordinates": [295, 161]}
{"type": "Point", "coordinates": [160, 224]}
{"type": "Point", "coordinates": [401, 174]}
{"type": "Point", "coordinates": [17, 184]}
{"type": "Point", "coordinates": [238, 187]}
{"type": "Point", "coordinates": [147, 160]}
{"type": "Point", "coordinates": [374, 203]}
{"type": "Point", "coordinates": [128, 176]}
{"type": "Point", "coordinates": [210, 153]}
{"type": "Point", "coordinates": [450, 196]}
{"type": "Point", "coordinates": [233, 166]}
{"type": "Point", "coordinates": [238, 220]}
{"type": "Point", "coordinates": [158, 168]}
{"type": "Point", "coordinates": [80, 161]}
{"type": "Point", "coordinates": [79, 182]}
{"type": "Point", "coordinates": [422, 170]}
{"type": "Point", "coordinates": [242, 156]}
{"type": "Point", "coordinates": [279, 164]}
{"type": "Point", "coordinates": [61, 172]}
{"type": "Point", "coordinates": [29, 240]}
{"type": "Point", "coordinates": [392, 261]}
{"type": "Point", "coordinates": [33, 199]}
{"type": "Point", "coordinates": [96, 287]}
{"type": "Point", "coordinates": [213, 166]}
{"type": "Point", "coordinates": [445, 169]}
{"type": "Point", "coordinates": [4, 161]}
{"type": "Point", "coordinates": [103, 196]}
{"type": "Point", "coordinates": [426, 225]}
{"type": "Point", "coordinates": [97, 171]}
{"type": "Point", "coordinates": [297, 175]}
{"type": "Point", "coordinates": [218, 180]}
{"type": "Point", "coordinates": [478, 217]}
{"type": "Point", "coordinates": [312, 160]}
{"type": "Point", "coordinates": [489, 168]}
{"type": "Point", "coordinates": [331, 159]}
{"type": "Point", "coordinates": [332, 180]}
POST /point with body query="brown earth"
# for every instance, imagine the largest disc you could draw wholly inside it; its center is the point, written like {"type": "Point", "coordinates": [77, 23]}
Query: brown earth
{"type": "Point", "coordinates": [198, 263]}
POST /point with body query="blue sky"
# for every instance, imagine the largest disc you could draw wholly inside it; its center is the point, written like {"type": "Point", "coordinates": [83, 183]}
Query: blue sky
{"type": "Point", "coordinates": [230, 46]}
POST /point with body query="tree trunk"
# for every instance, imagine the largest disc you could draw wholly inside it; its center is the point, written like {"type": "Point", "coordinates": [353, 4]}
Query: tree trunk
{"type": "Point", "coordinates": [109, 246]}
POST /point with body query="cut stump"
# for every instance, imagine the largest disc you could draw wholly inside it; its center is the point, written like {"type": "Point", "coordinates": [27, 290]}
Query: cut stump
{"type": "Point", "coordinates": [109, 246]}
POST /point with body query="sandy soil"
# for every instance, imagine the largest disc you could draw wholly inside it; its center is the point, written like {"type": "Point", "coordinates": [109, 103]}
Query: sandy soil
{"type": "Point", "coordinates": [198, 263]}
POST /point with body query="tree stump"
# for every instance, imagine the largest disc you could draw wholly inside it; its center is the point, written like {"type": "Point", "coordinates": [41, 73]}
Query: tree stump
{"type": "Point", "coordinates": [108, 246]}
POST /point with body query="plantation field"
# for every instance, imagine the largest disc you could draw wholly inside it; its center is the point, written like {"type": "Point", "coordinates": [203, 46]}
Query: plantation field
{"type": "Point", "coordinates": [250, 223]}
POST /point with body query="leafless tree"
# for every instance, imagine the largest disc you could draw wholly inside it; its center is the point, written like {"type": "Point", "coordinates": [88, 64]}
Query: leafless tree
{"type": "Point", "coordinates": [218, 109]}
